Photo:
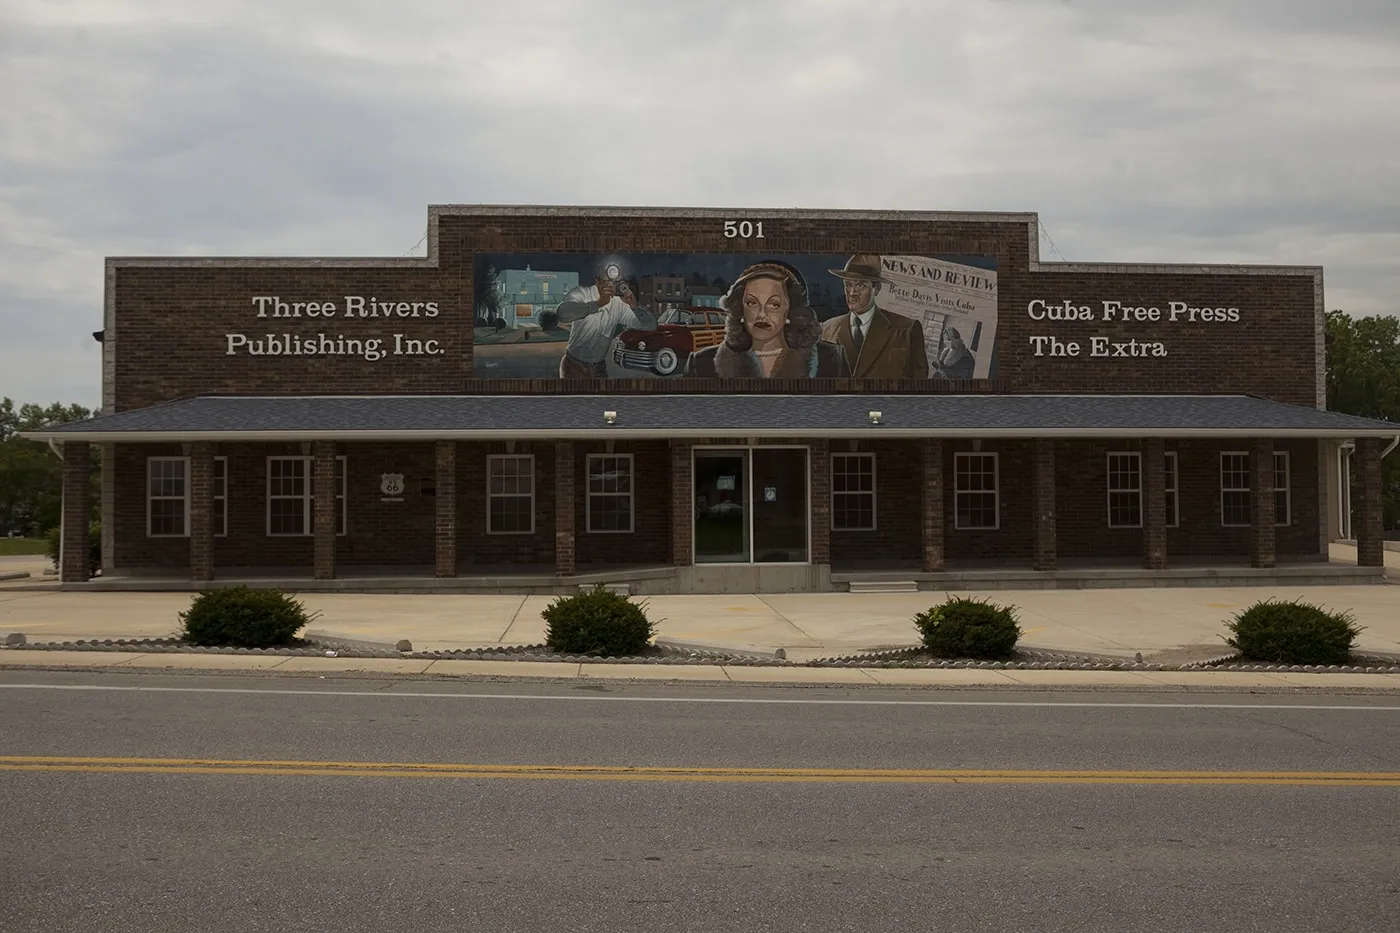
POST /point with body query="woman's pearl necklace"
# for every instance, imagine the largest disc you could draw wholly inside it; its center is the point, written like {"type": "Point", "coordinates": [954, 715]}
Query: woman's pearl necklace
{"type": "Point", "coordinates": [768, 352]}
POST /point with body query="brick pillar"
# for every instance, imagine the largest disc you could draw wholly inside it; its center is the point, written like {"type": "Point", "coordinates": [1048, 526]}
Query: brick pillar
{"type": "Point", "coordinates": [820, 506]}
{"type": "Point", "coordinates": [445, 506]}
{"type": "Point", "coordinates": [323, 512]}
{"type": "Point", "coordinates": [682, 503]}
{"type": "Point", "coordinates": [1043, 502]}
{"type": "Point", "coordinates": [1369, 530]}
{"type": "Point", "coordinates": [564, 508]}
{"type": "Point", "coordinates": [202, 511]}
{"type": "Point", "coordinates": [932, 505]}
{"type": "Point", "coordinates": [1261, 504]}
{"type": "Point", "coordinates": [1154, 514]}
{"type": "Point", "coordinates": [77, 517]}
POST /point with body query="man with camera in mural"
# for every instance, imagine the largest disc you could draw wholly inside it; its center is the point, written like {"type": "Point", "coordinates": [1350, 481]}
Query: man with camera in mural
{"type": "Point", "coordinates": [595, 315]}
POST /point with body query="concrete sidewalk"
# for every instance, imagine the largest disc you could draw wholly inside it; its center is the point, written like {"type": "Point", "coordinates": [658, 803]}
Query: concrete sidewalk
{"type": "Point", "coordinates": [1164, 623]}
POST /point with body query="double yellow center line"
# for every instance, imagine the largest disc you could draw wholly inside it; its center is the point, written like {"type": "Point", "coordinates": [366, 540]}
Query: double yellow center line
{"type": "Point", "coordinates": [735, 775]}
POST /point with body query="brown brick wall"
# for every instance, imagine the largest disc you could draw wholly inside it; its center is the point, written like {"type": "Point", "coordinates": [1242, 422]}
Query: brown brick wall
{"type": "Point", "coordinates": [650, 540]}
{"type": "Point", "coordinates": [74, 531]}
{"type": "Point", "coordinates": [404, 533]}
{"type": "Point", "coordinates": [172, 321]}
{"type": "Point", "coordinates": [898, 533]}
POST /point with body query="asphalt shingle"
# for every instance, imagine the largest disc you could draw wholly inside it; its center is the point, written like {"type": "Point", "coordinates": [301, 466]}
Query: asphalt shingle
{"type": "Point", "coordinates": [661, 415]}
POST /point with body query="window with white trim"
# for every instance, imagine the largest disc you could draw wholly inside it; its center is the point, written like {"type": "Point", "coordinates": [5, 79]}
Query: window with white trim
{"type": "Point", "coordinates": [291, 496]}
{"type": "Point", "coordinates": [1125, 490]}
{"type": "Point", "coordinates": [510, 494]}
{"type": "Point", "coordinates": [1171, 486]}
{"type": "Point", "coordinates": [220, 493]}
{"type": "Point", "coordinates": [167, 497]}
{"type": "Point", "coordinates": [1283, 490]}
{"type": "Point", "coordinates": [976, 496]}
{"type": "Point", "coordinates": [853, 492]}
{"type": "Point", "coordinates": [1234, 489]}
{"type": "Point", "coordinates": [609, 496]}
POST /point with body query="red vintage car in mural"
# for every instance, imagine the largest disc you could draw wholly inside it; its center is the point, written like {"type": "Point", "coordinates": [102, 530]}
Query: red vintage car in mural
{"type": "Point", "coordinates": [666, 349]}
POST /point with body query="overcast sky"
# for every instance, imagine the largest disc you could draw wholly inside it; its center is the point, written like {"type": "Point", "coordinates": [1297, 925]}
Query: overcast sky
{"type": "Point", "coordinates": [1181, 131]}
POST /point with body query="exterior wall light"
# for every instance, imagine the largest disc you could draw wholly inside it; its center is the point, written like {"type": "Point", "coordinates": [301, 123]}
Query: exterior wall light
{"type": "Point", "coordinates": [610, 417]}
{"type": "Point", "coordinates": [875, 417]}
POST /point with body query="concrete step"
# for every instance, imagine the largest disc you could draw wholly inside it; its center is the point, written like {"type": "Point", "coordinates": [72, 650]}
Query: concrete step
{"type": "Point", "coordinates": [883, 586]}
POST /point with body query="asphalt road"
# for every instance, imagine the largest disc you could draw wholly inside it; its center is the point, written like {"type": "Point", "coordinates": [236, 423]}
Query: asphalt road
{"type": "Point", "coordinates": [238, 841]}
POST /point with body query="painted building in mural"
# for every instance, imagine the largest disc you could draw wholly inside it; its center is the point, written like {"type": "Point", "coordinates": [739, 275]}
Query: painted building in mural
{"type": "Point", "coordinates": [694, 400]}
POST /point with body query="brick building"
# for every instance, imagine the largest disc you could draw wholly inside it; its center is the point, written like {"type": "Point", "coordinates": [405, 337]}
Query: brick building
{"type": "Point", "coordinates": [972, 416]}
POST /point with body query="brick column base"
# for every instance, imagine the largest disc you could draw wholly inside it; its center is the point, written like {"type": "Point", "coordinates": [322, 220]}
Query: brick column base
{"type": "Point", "coordinates": [74, 551]}
{"type": "Point", "coordinates": [820, 507]}
{"type": "Point", "coordinates": [1154, 518]}
{"type": "Point", "coordinates": [445, 508]}
{"type": "Point", "coordinates": [323, 516]}
{"type": "Point", "coordinates": [1261, 507]}
{"type": "Point", "coordinates": [202, 511]}
{"type": "Point", "coordinates": [682, 504]}
{"type": "Point", "coordinates": [1043, 502]}
{"type": "Point", "coordinates": [1370, 524]}
{"type": "Point", "coordinates": [564, 544]}
{"type": "Point", "coordinates": [932, 505]}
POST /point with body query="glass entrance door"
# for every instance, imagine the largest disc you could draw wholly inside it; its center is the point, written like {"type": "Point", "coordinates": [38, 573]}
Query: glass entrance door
{"type": "Point", "coordinates": [751, 506]}
{"type": "Point", "coordinates": [721, 507]}
{"type": "Point", "coordinates": [780, 505]}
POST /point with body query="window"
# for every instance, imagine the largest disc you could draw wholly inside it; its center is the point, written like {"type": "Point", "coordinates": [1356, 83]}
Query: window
{"type": "Point", "coordinates": [1170, 482]}
{"type": "Point", "coordinates": [609, 503]}
{"type": "Point", "coordinates": [510, 494]}
{"type": "Point", "coordinates": [853, 492]}
{"type": "Point", "coordinates": [1234, 489]}
{"type": "Point", "coordinates": [220, 516]}
{"type": "Point", "coordinates": [291, 496]}
{"type": "Point", "coordinates": [167, 497]}
{"type": "Point", "coordinates": [1124, 490]}
{"type": "Point", "coordinates": [1283, 492]}
{"type": "Point", "coordinates": [975, 497]}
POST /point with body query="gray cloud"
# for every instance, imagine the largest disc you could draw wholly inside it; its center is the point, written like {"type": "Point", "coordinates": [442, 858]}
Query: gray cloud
{"type": "Point", "coordinates": [1169, 130]}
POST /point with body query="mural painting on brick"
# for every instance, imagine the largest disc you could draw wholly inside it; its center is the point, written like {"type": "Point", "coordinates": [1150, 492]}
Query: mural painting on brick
{"type": "Point", "coordinates": [734, 316]}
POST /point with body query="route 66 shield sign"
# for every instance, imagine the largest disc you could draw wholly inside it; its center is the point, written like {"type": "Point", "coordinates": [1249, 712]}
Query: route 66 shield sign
{"type": "Point", "coordinates": [391, 484]}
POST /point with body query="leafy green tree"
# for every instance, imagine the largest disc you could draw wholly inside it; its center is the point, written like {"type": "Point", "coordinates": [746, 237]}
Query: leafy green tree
{"type": "Point", "coordinates": [1363, 378]}
{"type": "Point", "coordinates": [31, 477]}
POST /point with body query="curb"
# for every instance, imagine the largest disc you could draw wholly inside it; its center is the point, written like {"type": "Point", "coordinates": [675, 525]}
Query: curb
{"type": "Point", "coordinates": [15, 575]}
{"type": "Point", "coordinates": [318, 664]}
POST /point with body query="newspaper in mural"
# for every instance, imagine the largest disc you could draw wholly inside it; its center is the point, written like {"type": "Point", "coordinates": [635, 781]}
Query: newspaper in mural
{"type": "Point", "coordinates": [670, 315]}
{"type": "Point", "coordinates": [955, 303]}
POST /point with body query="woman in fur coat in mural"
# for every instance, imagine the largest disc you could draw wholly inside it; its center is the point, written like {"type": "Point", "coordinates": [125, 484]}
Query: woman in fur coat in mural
{"type": "Point", "coordinates": [771, 333]}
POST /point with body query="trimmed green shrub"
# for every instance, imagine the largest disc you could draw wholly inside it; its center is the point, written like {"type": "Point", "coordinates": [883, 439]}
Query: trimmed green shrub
{"type": "Point", "coordinates": [1293, 633]}
{"type": "Point", "coordinates": [598, 622]}
{"type": "Point", "coordinates": [962, 627]}
{"type": "Point", "coordinates": [240, 617]}
{"type": "Point", "coordinates": [94, 547]}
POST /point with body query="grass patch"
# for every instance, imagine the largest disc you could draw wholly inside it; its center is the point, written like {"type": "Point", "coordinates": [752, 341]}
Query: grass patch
{"type": "Point", "coordinates": [17, 547]}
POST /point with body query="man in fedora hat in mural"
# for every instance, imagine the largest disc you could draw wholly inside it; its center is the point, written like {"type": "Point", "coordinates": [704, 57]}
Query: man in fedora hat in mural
{"type": "Point", "coordinates": [879, 345]}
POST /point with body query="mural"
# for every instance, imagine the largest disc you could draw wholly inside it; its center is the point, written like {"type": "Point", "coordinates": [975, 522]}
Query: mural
{"type": "Point", "coordinates": [727, 315]}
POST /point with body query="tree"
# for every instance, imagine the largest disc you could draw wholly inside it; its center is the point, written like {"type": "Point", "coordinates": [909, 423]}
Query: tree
{"type": "Point", "coordinates": [31, 477]}
{"type": "Point", "coordinates": [1363, 378]}
{"type": "Point", "coordinates": [489, 307]}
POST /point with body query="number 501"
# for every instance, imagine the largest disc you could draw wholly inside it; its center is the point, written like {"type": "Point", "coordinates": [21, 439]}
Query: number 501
{"type": "Point", "coordinates": [743, 228]}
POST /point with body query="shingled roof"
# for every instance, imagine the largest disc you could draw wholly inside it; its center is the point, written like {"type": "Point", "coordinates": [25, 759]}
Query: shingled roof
{"type": "Point", "coordinates": [399, 417]}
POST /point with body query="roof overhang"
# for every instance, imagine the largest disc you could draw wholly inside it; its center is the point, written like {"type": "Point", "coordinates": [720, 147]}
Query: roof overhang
{"type": "Point", "coordinates": [874, 432]}
{"type": "Point", "coordinates": [698, 417]}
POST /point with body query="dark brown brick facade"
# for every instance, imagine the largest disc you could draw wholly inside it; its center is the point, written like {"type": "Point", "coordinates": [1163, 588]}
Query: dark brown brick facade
{"type": "Point", "coordinates": [403, 531]}
{"type": "Point", "coordinates": [170, 322]}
